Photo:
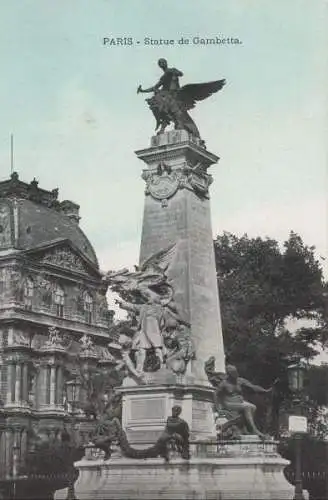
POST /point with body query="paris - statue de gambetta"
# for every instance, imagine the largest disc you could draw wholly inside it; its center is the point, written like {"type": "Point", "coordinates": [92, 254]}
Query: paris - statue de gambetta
{"type": "Point", "coordinates": [170, 103]}
{"type": "Point", "coordinates": [171, 418]}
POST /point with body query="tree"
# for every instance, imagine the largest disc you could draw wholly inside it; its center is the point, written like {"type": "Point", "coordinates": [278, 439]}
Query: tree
{"type": "Point", "coordinates": [262, 288]}
{"type": "Point", "coordinates": [98, 387]}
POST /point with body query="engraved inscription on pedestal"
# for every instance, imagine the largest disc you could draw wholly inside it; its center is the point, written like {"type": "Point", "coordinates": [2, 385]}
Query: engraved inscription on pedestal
{"type": "Point", "coordinates": [201, 417]}
{"type": "Point", "coordinates": [147, 408]}
{"type": "Point", "coordinates": [145, 414]}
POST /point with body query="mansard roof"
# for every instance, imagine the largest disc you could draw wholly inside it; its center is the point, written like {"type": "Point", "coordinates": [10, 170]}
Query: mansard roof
{"type": "Point", "coordinates": [31, 216]}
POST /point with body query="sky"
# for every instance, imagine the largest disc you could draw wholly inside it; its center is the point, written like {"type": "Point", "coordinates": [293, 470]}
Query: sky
{"type": "Point", "coordinates": [71, 103]}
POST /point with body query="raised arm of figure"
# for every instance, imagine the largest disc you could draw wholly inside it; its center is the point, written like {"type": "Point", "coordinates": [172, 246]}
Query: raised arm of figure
{"type": "Point", "coordinates": [254, 387]}
{"type": "Point", "coordinates": [150, 89]}
{"type": "Point", "coordinates": [177, 72]}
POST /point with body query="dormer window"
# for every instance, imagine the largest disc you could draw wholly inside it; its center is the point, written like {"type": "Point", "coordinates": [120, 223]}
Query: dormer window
{"type": "Point", "coordinates": [28, 292]}
{"type": "Point", "coordinates": [59, 301]}
{"type": "Point", "coordinates": [88, 307]}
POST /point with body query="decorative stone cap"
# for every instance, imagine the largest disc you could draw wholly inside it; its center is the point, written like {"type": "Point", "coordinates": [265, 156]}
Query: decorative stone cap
{"type": "Point", "coordinates": [15, 188]}
{"type": "Point", "coordinates": [176, 146]}
{"type": "Point", "coordinates": [174, 137]}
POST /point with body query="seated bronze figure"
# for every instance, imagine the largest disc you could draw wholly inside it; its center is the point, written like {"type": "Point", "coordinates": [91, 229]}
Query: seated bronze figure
{"type": "Point", "coordinates": [228, 397]}
{"type": "Point", "coordinates": [175, 437]}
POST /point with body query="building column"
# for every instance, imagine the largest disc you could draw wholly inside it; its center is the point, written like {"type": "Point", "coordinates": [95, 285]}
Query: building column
{"type": "Point", "coordinates": [2, 366]}
{"type": "Point", "coordinates": [11, 373]}
{"type": "Point", "coordinates": [53, 385]}
{"type": "Point", "coordinates": [2, 449]}
{"type": "Point", "coordinates": [16, 451]}
{"type": "Point", "coordinates": [18, 394]}
{"type": "Point", "coordinates": [9, 382]}
{"type": "Point", "coordinates": [42, 384]}
{"type": "Point", "coordinates": [8, 451]}
{"type": "Point", "coordinates": [60, 382]}
{"type": "Point", "coordinates": [23, 446]}
{"type": "Point", "coordinates": [25, 382]}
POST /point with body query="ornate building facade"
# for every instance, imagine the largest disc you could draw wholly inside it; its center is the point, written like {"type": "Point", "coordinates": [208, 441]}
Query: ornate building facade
{"type": "Point", "coordinates": [53, 308]}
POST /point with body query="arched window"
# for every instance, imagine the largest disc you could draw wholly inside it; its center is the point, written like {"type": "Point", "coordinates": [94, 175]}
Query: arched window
{"type": "Point", "coordinates": [59, 300]}
{"type": "Point", "coordinates": [88, 307]}
{"type": "Point", "coordinates": [28, 292]}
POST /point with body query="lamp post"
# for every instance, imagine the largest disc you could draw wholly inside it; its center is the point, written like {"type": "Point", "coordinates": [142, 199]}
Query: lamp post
{"type": "Point", "coordinates": [297, 423]}
{"type": "Point", "coordinates": [73, 389]}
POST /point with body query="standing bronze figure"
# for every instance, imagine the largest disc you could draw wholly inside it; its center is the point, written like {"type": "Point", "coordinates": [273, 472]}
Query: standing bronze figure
{"type": "Point", "coordinates": [170, 103]}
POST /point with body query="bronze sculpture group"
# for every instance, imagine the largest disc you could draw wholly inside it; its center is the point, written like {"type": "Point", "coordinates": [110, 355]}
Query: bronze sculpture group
{"type": "Point", "coordinates": [228, 397]}
{"type": "Point", "coordinates": [175, 437]}
{"type": "Point", "coordinates": [171, 103]}
{"type": "Point", "coordinates": [158, 336]}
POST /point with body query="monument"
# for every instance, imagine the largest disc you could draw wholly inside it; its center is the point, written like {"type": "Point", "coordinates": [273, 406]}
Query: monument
{"type": "Point", "coordinates": [172, 351]}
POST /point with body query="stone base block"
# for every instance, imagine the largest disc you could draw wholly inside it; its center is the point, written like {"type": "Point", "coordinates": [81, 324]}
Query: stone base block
{"type": "Point", "coordinates": [146, 408]}
{"type": "Point", "coordinates": [211, 478]}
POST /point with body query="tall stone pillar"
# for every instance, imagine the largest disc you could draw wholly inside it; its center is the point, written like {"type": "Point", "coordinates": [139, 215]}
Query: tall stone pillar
{"type": "Point", "coordinates": [177, 211]}
{"type": "Point", "coordinates": [177, 217]}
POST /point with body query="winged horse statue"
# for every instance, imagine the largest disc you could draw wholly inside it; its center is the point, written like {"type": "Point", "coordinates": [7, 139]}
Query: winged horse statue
{"type": "Point", "coordinates": [171, 103]}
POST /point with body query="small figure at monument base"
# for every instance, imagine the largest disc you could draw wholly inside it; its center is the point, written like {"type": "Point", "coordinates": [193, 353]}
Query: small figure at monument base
{"type": "Point", "coordinates": [175, 437]}
{"type": "Point", "coordinates": [177, 432]}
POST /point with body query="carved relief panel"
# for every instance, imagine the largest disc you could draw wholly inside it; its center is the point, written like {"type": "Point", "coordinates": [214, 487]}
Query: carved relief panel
{"type": "Point", "coordinates": [65, 258]}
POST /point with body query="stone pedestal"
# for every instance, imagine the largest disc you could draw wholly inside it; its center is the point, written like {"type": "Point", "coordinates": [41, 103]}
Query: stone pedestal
{"type": "Point", "coordinates": [254, 472]}
{"type": "Point", "coordinates": [146, 408]}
